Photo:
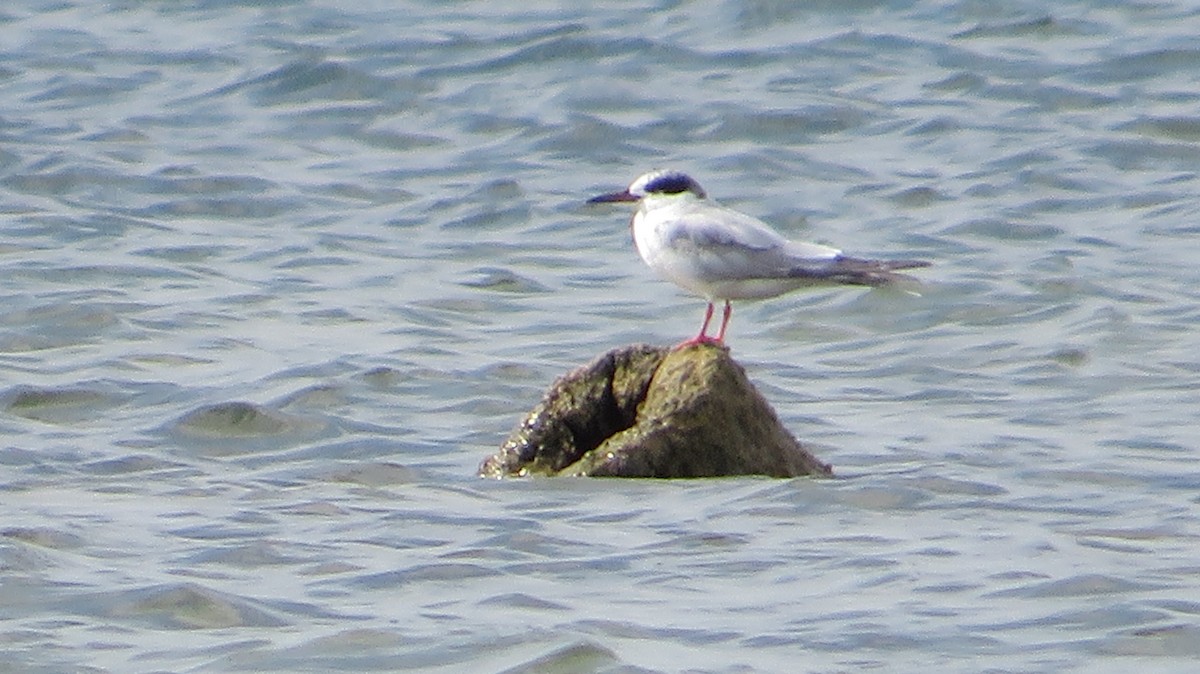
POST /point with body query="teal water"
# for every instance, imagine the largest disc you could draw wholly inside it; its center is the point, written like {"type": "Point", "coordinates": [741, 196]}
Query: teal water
{"type": "Point", "coordinates": [278, 275]}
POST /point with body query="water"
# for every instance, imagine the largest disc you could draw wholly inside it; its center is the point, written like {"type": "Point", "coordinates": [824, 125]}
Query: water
{"type": "Point", "coordinates": [278, 275]}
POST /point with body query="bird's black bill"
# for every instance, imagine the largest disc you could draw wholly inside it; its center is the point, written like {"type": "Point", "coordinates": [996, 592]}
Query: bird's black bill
{"type": "Point", "coordinates": [613, 197]}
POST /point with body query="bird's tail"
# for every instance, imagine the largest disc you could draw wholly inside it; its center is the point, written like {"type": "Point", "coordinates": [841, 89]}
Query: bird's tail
{"type": "Point", "coordinates": [861, 272]}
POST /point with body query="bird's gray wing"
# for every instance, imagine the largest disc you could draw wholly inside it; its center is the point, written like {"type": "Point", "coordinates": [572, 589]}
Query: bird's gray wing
{"type": "Point", "coordinates": [844, 270]}
{"type": "Point", "coordinates": [730, 245]}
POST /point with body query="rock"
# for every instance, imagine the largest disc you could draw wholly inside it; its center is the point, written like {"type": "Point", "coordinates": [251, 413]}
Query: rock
{"type": "Point", "coordinates": [644, 411]}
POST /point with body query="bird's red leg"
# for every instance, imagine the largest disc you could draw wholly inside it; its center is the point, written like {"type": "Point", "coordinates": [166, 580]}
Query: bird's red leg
{"type": "Point", "coordinates": [724, 322]}
{"type": "Point", "coordinates": [702, 337]}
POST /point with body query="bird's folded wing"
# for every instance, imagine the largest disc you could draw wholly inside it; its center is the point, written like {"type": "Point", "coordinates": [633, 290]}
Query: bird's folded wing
{"type": "Point", "coordinates": [731, 245]}
{"type": "Point", "coordinates": [857, 271]}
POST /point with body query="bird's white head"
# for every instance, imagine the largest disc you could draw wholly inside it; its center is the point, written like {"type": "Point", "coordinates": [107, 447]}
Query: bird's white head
{"type": "Point", "coordinates": [657, 183]}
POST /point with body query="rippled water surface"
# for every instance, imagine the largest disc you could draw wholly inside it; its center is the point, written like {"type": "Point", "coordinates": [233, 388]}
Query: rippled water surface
{"type": "Point", "coordinates": [278, 275]}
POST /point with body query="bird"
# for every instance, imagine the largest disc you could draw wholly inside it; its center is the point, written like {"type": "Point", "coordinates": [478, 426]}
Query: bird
{"type": "Point", "coordinates": [721, 254]}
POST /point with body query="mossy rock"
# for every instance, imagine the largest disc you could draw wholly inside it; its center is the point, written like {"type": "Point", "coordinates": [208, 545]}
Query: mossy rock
{"type": "Point", "coordinates": [644, 411]}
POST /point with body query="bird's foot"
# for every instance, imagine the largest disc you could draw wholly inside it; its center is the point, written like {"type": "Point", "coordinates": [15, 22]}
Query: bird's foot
{"type": "Point", "coordinates": [699, 340]}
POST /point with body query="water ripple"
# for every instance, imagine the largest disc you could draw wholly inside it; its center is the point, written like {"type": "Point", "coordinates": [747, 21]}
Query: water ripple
{"type": "Point", "coordinates": [278, 276]}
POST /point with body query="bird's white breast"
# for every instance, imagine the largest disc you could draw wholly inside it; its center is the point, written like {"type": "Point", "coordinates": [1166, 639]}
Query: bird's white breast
{"type": "Point", "coordinates": [652, 234]}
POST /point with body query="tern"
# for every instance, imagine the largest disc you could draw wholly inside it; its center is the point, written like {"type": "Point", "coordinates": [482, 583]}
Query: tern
{"type": "Point", "coordinates": [720, 254]}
